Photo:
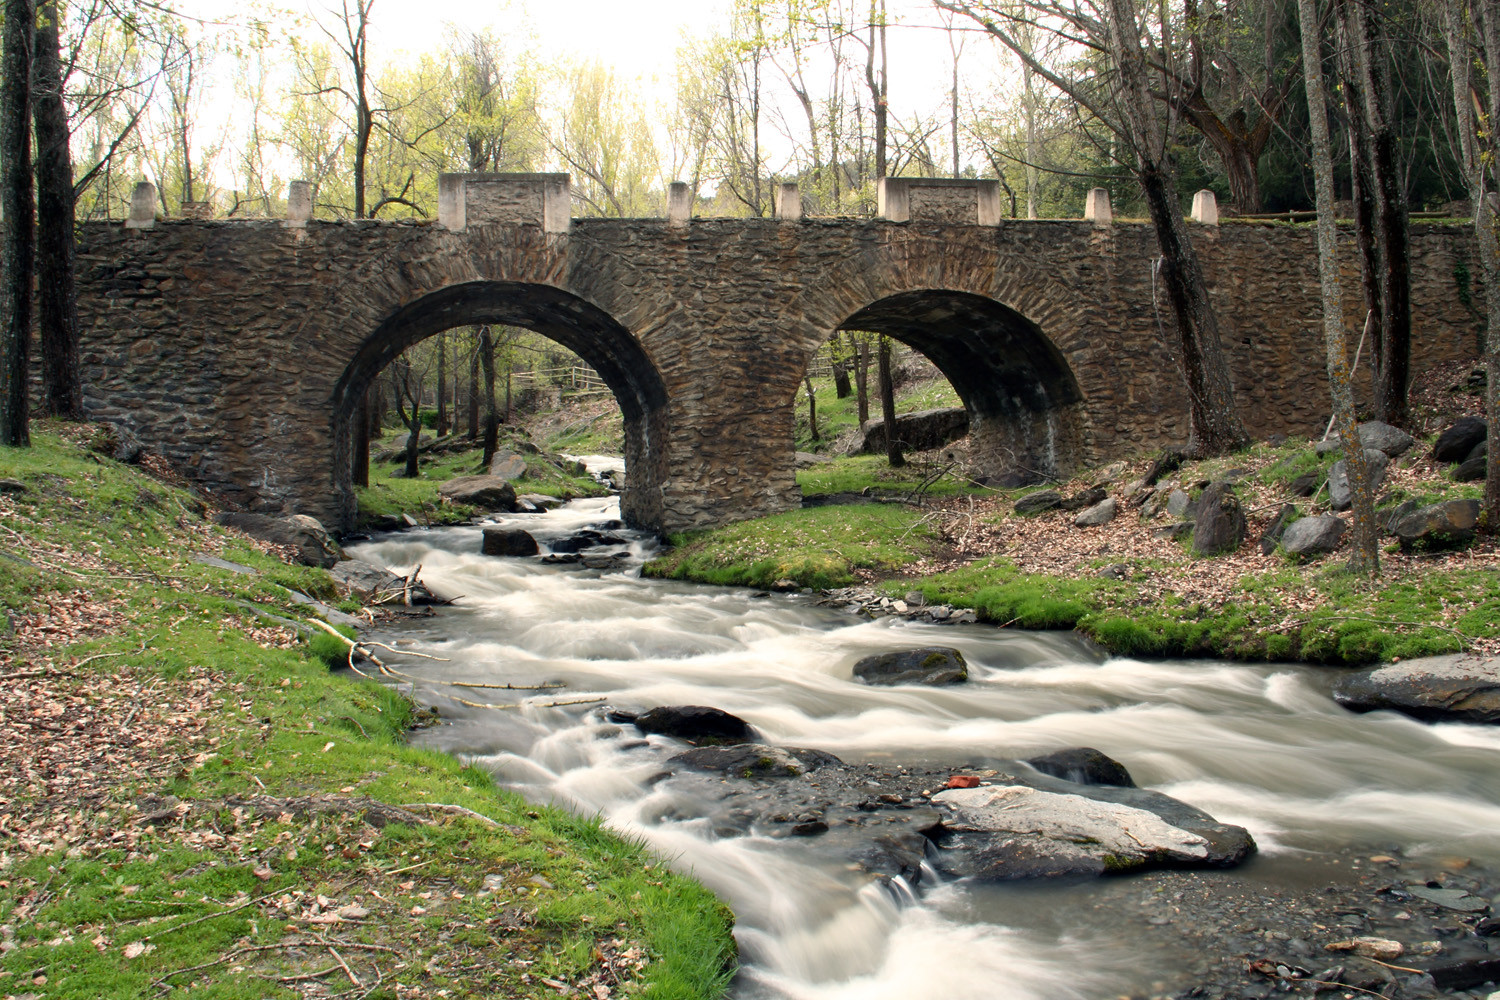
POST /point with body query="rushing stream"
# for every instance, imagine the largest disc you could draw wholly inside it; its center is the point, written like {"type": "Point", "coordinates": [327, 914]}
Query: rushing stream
{"type": "Point", "coordinates": [1260, 746]}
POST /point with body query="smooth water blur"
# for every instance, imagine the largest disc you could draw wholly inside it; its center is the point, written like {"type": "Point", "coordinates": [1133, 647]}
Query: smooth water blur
{"type": "Point", "coordinates": [1261, 746]}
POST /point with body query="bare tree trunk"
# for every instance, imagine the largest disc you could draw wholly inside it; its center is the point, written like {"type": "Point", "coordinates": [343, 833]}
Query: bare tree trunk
{"type": "Point", "coordinates": [57, 304]}
{"type": "Point", "coordinates": [888, 405]}
{"type": "Point", "coordinates": [1489, 253]}
{"type": "Point", "coordinates": [1214, 426]}
{"type": "Point", "coordinates": [362, 442]}
{"type": "Point", "coordinates": [491, 419]}
{"type": "Point", "coordinates": [812, 405]}
{"type": "Point", "coordinates": [861, 377]}
{"type": "Point", "coordinates": [841, 387]}
{"type": "Point", "coordinates": [17, 251]}
{"type": "Point", "coordinates": [409, 409]}
{"type": "Point", "coordinates": [1366, 555]}
{"type": "Point", "coordinates": [1369, 100]}
{"type": "Point", "coordinates": [442, 386]}
{"type": "Point", "coordinates": [474, 394]}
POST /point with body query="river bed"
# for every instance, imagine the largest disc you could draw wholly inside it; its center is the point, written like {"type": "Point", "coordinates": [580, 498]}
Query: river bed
{"type": "Point", "coordinates": [1261, 746]}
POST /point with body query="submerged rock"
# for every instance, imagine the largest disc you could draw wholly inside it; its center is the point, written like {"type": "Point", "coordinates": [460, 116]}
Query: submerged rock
{"type": "Point", "coordinates": [695, 723]}
{"type": "Point", "coordinates": [934, 665]}
{"type": "Point", "coordinates": [1456, 687]}
{"type": "Point", "coordinates": [755, 760]}
{"type": "Point", "coordinates": [508, 542]}
{"type": "Point", "coordinates": [1083, 766]}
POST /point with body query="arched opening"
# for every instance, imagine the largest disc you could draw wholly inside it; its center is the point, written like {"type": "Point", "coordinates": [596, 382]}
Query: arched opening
{"type": "Point", "coordinates": [1024, 407]}
{"type": "Point", "coordinates": [601, 341]}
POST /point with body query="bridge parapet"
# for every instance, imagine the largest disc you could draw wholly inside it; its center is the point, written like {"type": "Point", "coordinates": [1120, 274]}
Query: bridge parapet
{"type": "Point", "coordinates": [946, 200]}
{"type": "Point", "coordinates": [481, 199]}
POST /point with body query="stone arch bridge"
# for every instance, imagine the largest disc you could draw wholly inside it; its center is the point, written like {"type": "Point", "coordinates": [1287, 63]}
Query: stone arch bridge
{"type": "Point", "coordinates": [240, 349]}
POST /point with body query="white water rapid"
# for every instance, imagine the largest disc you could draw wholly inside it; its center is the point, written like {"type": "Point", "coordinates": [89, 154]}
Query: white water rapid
{"type": "Point", "coordinates": [1261, 746]}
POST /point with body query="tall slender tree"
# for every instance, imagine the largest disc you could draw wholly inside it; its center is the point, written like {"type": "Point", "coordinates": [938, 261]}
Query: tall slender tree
{"type": "Point", "coordinates": [1380, 202]}
{"type": "Point", "coordinates": [1472, 33]}
{"type": "Point", "coordinates": [1365, 557]}
{"type": "Point", "coordinates": [1145, 129]}
{"type": "Point", "coordinates": [57, 307]}
{"type": "Point", "coordinates": [17, 204]}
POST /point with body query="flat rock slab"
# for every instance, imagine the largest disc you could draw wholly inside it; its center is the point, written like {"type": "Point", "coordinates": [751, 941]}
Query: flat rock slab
{"type": "Point", "coordinates": [1003, 828]}
{"type": "Point", "coordinates": [1458, 687]}
{"type": "Point", "coordinates": [204, 559]}
{"type": "Point", "coordinates": [300, 532]}
{"type": "Point", "coordinates": [1316, 535]}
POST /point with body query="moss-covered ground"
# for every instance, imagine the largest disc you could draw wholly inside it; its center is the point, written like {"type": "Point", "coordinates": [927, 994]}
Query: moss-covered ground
{"type": "Point", "coordinates": [193, 804]}
{"type": "Point", "coordinates": [390, 494]}
{"type": "Point", "coordinates": [965, 547]}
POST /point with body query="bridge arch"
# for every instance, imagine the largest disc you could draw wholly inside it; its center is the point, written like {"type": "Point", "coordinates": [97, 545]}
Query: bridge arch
{"type": "Point", "coordinates": [575, 323]}
{"type": "Point", "coordinates": [1024, 402]}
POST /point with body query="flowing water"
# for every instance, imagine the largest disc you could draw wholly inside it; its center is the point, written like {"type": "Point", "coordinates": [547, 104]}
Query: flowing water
{"type": "Point", "coordinates": [1261, 746]}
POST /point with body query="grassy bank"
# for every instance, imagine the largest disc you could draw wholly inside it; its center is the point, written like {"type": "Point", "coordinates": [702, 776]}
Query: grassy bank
{"type": "Point", "coordinates": [1156, 598]}
{"type": "Point", "coordinates": [390, 494]}
{"type": "Point", "coordinates": [192, 803]}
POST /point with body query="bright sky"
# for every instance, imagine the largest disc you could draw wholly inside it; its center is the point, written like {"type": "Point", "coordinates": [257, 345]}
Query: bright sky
{"type": "Point", "coordinates": [639, 40]}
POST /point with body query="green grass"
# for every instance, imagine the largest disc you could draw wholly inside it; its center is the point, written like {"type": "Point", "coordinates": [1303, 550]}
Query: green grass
{"type": "Point", "coordinates": [282, 725]}
{"type": "Point", "coordinates": [815, 547]}
{"type": "Point", "coordinates": [873, 474]}
{"type": "Point", "coordinates": [836, 417]}
{"type": "Point", "coordinates": [387, 495]}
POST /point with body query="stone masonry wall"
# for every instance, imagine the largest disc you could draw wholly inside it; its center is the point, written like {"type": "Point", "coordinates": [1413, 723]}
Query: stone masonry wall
{"type": "Point", "coordinates": [225, 344]}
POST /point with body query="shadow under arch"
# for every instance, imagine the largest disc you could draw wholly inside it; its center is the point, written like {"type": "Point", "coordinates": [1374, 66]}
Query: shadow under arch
{"type": "Point", "coordinates": [1024, 404]}
{"type": "Point", "coordinates": [583, 328]}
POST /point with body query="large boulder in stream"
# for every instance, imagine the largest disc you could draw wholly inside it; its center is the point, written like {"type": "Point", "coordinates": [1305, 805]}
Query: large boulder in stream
{"type": "Point", "coordinates": [932, 665]}
{"type": "Point", "coordinates": [1457, 687]}
{"type": "Point", "coordinates": [1014, 831]}
{"type": "Point", "coordinates": [999, 821]}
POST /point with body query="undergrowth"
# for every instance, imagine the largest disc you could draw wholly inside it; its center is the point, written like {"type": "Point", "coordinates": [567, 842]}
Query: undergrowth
{"type": "Point", "coordinates": [166, 886]}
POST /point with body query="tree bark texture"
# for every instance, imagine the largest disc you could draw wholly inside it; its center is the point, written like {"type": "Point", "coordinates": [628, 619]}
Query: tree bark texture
{"type": "Point", "coordinates": [57, 303]}
{"type": "Point", "coordinates": [474, 394]}
{"type": "Point", "coordinates": [17, 251]}
{"type": "Point", "coordinates": [888, 404]}
{"type": "Point", "coordinates": [1365, 557]}
{"type": "Point", "coordinates": [442, 386]}
{"type": "Point", "coordinates": [861, 378]}
{"type": "Point", "coordinates": [1369, 100]}
{"type": "Point", "coordinates": [491, 418]}
{"type": "Point", "coordinates": [1214, 426]}
{"type": "Point", "coordinates": [812, 406]}
{"type": "Point", "coordinates": [841, 387]}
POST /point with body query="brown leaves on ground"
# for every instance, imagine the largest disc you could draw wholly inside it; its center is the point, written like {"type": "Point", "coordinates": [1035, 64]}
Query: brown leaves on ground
{"type": "Point", "coordinates": [75, 744]}
{"type": "Point", "coordinates": [1050, 544]}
